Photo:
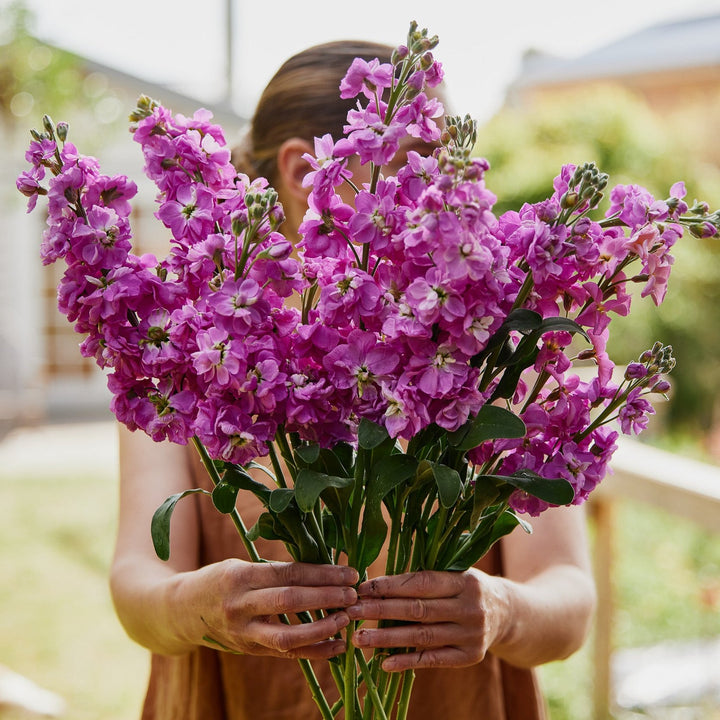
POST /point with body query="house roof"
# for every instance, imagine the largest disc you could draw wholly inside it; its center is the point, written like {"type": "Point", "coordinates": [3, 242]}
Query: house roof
{"type": "Point", "coordinates": [677, 45]}
{"type": "Point", "coordinates": [223, 112]}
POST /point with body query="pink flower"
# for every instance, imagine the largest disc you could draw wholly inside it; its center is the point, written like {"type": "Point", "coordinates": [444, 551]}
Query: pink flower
{"type": "Point", "coordinates": [366, 77]}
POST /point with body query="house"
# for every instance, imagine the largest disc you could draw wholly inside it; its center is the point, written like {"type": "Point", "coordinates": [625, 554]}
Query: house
{"type": "Point", "coordinates": [42, 375]}
{"type": "Point", "coordinates": [674, 66]}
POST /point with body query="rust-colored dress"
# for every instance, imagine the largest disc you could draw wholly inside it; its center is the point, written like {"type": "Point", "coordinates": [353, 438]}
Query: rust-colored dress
{"type": "Point", "coordinates": [207, 684]}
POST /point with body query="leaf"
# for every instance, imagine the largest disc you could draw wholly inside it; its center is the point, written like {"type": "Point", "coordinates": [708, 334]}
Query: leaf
{"type": "Point", "coordinates": [370, 434]}
{"type": "Point", "coordinates": [556, 491]}
{"type": "Point", "coordinates": [309, 484]}
{"type": "Point", "coordinates": [308, 453]}
{"type": "Point", "coordinates": [449, 484]}
{"type": "Point", "coordinates": [160, 524]}
{"type": "Point", "coordinates": [280, 499]}
{"type": "Point", "coordinates": [389, 472]}
{"type": "Point", "coordinates": [268, 528]}
{"type": "Point", "coordinates": [239, 478]}
{"type": "Point", "coordinates": [484, 539]}
{"type": "Point", "coordinates": [558, 324]}
{"type": "Point", "coordinates": [224, 495]}
{"type": "Point", "coordinates": [490, 423]}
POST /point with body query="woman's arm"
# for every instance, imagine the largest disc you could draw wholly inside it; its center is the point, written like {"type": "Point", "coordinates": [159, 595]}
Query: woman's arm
{"type": "Point", "coordinates": [171, 607]}
{"type": "Point", "coordinates": [540, 610]}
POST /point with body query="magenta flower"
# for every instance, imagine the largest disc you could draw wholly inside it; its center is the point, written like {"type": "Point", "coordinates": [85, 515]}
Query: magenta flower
{"type": "Point", "coordinates": [367, 78]}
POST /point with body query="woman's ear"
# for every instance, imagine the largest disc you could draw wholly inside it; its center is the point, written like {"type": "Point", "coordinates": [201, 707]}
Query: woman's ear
{"type": "Point", "coordinates": [292, 167]}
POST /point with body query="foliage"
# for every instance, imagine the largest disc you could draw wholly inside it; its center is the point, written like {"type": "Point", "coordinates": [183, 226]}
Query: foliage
{"type": "Point", "coordinates": [627, 140]}
{"type": "Point", "coordinates": [34, 74]}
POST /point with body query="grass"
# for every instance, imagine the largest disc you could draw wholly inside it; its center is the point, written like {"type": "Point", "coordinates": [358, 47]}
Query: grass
{"type": "Point", "coordinates": [58, 627]}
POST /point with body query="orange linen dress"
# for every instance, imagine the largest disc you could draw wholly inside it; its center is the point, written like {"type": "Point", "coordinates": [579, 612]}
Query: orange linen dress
{"type": "Point", "coordinates": [207, 684]}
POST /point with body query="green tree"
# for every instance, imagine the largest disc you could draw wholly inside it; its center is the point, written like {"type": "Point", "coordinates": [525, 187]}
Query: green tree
{"type": "Point", "coordinates": [622, 135]}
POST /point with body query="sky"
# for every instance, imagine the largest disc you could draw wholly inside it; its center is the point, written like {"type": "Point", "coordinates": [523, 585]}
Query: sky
{"type": "Point", "coordinates": [182, 43]}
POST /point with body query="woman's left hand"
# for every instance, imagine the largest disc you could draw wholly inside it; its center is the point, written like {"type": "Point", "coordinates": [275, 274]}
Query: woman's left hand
{"type": "Point", "coordinates": [450, 618]}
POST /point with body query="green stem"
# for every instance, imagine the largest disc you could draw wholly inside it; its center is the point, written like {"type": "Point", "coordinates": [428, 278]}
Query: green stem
{"type": "Point", "coordinates": [277, 467]}
{"type": "Point", "coordinates": [372, 690]}
{"type": "Point", "coordinates": [350, 691]}
{"type": "Point", "coordinates": [315, 689]}
{"type": "Point", "coordinates": [432, 552]}
{"type": "Point", "coordinates": [392, 689]}
{"type": "Point", "coordinates": [408, 680]}
{"type": "Point", "coordinates": [234, 515]}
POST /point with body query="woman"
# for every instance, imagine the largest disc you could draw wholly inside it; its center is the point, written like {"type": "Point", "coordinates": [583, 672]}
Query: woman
{"type": "Point", "coordinates": [208, 615]}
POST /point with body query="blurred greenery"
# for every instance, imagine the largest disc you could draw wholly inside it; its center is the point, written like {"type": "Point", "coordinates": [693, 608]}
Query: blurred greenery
{"type": "Point", "coordinates": [617, 130]}
{"type": "Point", "coordinates": [38, 79]}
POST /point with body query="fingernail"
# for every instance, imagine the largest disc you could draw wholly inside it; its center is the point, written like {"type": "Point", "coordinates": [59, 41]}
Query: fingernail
{"type": "Point", "coordinates": [341, 619]}
{"type": "Point", "coordinates": [349, 596]}
{"type": "Point", "coordinates": [338, 647]}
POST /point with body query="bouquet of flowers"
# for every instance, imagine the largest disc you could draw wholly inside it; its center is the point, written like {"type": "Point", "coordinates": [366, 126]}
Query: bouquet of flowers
{"type": "Point", "coordinates": [424, 392]}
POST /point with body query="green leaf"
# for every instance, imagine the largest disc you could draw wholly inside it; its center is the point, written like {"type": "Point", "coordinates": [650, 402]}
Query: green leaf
{"type": "Point", "coordinates": [239, 478]}
{"type": "Point", "coordinates": [224, 496]}
{"type": "Point", "coordinates": [449, 484]}
{"type": "Point", "coordinates": [556, 491]}
{"type": "Point", "coordinates": [308, 453]}
{"type": "Point", "coordinates": [389, 472]}
{"type": "Point", "coordinates": [280, 499]}
{"type": "Point", "coordinates": [309, 484]}
{"type": "Point", "coordinates": [484, 538]}
{"type": "Point", "coordinates": [268, 528]}
{"type": "Point", "coordinates": [160, 524]}
{"type": "Point", "coordinates": [490, 423]}
{"type": "Point", "coordinates": [370, 434]}
{"type": "Point", "coordinates": [558, 324]}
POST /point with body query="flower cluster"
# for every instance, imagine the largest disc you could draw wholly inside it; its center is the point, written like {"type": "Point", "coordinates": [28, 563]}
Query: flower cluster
{"type": "Point", "coordinates": [419, 305]}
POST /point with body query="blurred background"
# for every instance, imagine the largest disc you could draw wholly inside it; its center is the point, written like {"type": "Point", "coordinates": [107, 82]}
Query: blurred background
{"type": "Point", "coordinates": [631, 85]}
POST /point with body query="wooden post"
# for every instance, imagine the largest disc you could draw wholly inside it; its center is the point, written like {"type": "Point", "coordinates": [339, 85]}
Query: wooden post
{"type": "Point", "coordinates": [603, 512]}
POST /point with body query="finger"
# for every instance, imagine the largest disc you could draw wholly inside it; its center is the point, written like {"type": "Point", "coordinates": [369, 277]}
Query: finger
{"type": "Point", "coordinates": [435, 658]}
{"type": "Point", "coordinates": [278, 574]}
{"type": "Point", "coordinates": [288, 638]}
{"type": "Point", "coordinates": [419, 610]}
{"type": "Point", "coordinates": [425, 584]}
{"type": "Point", "coordinates": [319, 651]}
{"type": "Point", "coordinates": [294, 599]}
{"type": "Point", "coordinates": [411, 636]}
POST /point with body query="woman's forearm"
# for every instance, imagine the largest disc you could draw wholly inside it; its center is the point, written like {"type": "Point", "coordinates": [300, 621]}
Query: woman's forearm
{"type": "Point", "coordinates": [546, 617]}
{"type": "Point", "coordinates": [147, 602]}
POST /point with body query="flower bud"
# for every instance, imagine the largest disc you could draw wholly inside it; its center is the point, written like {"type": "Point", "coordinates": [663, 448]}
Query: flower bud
{"type": "Point", "coordinates": [703, 230]}
{"type": "Point", "coordinates": [569, 200]}
{"type": "Point", "coordinates": [239, 223]}
{"type": "Point", "coordinates": [62, 131]}
{"type": "Point", "coordinates": [587, 354]}
{"type": "Point", "coordinates": [662, 386]}
{"type": "Point", "coordinates": [399, 54]}
{"type": "Point", "coordinates": [636, 371]}
{"type": "Point", "coordinates": [48, 125]}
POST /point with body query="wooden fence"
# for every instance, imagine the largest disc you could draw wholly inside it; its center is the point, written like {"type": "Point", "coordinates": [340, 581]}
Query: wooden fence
{"type": "Point", "coordinates": [679, 485]}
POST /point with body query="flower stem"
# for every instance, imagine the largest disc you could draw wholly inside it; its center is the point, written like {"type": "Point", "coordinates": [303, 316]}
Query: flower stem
{"type": "Point", "coordinates": [372, 690]}
{"type": "Point", "coordinates": [234, 515]}
{"type": "Point", "coordinates": [407, 683]}
{"type": "Point", "coordinates": [350, 675]}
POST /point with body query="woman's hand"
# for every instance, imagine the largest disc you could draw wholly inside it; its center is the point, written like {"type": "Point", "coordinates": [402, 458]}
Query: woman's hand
{"type": "Point", "coordinates": [238, 603]}
{"type": "Point", "coordinates": [451, 619]}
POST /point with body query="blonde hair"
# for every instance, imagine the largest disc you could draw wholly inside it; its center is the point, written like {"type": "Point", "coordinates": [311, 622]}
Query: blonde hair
{"type": "Point", "coordinates": [302, 100]}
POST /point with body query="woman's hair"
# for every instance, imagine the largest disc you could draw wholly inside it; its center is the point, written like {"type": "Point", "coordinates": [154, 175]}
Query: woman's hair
{"type": "Point", "coordinates": [302, 100]}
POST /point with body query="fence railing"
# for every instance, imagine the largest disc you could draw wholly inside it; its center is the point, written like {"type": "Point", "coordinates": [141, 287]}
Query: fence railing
{"type": "Point", "coordinates": [679, 485]}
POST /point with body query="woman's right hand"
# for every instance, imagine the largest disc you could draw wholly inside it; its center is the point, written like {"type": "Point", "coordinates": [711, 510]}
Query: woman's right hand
{"type": "Point", "coordinates": [235, 605]}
